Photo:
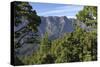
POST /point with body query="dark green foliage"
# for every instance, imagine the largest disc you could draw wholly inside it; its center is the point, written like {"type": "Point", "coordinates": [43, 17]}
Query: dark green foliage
{"type": "Point", "coordinates": [23, 13]}
{"type": "Point", "coordinates": [88, 15]}
{"type": "Point", "coordinates": [48, 59]}
{"type": "Point", "coordinates": [77, 46]}
{"type": "Point", "coordinates": [71, 47]}
{"type": "Point", "coordinates": [17, 62]}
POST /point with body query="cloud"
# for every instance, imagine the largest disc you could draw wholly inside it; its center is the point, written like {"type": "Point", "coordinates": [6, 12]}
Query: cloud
{"type": "Point", "coordinates": [71, 17]}
{"type": "Point", "coordinates": [63, 9]}
{"type": "Point", "coordinates": [53, 12]}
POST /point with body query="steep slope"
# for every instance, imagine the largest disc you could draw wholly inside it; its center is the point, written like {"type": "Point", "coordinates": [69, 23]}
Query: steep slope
{"type": "Point", "coordinates": [55, 26]}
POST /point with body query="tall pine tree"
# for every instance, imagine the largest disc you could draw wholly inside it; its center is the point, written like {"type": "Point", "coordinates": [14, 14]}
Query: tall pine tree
{"type": "Point", "coordinates": [26, 16]}
{"type": "Point", "coordinates": [88, 16]}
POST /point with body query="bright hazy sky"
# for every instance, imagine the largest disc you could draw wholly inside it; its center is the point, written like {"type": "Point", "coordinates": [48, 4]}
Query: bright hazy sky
{"type": "Point", "coordinates": [47, 9]}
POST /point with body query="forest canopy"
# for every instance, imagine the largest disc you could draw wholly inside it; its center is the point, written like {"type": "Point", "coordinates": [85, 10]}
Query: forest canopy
{"type": "Point", "coordinates": [77, 46]}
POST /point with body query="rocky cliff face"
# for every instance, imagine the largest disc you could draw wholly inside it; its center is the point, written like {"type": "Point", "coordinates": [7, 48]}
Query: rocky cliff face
{"type": "Point", "coordinates": [55, 26]}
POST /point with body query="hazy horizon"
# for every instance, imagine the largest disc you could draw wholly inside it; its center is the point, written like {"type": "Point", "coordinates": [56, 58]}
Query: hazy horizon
{"type": "Point", "coordinates": [51, 9]}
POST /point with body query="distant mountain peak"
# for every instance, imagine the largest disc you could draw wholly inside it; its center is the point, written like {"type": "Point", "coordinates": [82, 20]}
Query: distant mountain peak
{"type": "Point", "coordinates": [55, 25]}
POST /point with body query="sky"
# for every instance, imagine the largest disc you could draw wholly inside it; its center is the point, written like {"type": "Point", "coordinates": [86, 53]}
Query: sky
{"type": "Point", "coordinates": [48, 9]}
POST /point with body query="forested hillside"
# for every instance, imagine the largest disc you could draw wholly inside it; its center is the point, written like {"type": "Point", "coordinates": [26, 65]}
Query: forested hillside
{"type": "Point", "coordinates": [76, 46]}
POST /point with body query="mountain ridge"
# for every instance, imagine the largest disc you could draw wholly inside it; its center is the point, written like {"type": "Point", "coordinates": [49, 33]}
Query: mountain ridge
{"type": "Point", "coordinates": [55, 25]}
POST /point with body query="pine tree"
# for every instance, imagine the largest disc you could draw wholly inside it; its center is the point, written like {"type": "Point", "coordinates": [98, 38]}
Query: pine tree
{"type": "Point", "coordinates": [25, 21]}
{"type": "Point", "coordinates": [26, 16]}
{"type": "Point", "coordinates": [88, 16]}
